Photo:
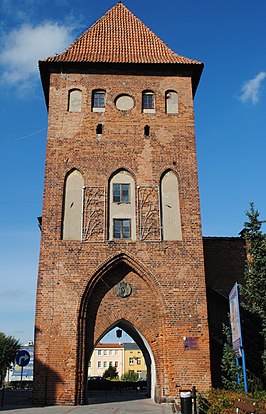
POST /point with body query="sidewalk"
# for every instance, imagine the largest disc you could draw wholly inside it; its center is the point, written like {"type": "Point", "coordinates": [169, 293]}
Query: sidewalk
{"type": "Point", "coordinates": [113, 404]}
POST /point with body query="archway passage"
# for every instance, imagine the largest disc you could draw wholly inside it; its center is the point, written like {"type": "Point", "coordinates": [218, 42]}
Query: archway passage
{"type": "Point", "coordinates": [121, 294]}
{"type": "Point", "coordinates": [133, 362]}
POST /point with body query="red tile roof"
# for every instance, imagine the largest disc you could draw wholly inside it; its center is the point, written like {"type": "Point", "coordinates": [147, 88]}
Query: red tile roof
{"type": "Point", "coordinates": [119, 37]}
{"type": "Point", "coordinates": [100, 345]}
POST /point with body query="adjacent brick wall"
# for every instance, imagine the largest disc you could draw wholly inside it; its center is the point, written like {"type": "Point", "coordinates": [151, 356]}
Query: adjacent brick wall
{"type": "Point", "coordinates": [76, 302]}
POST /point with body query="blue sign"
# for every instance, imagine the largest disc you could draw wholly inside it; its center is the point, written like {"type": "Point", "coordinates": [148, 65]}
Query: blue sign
{"type": "Point", "coordinates": [235, 320]}
{"type": "Point", "coordinates": [22, 358]}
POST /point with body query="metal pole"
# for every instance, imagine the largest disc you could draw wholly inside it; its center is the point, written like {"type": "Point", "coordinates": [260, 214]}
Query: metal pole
{"type": "Point", "coordinates": [238, 376]}
{"type": "Point", "coordinates": [244, 370]}
{"type": "Point", "coordinates": [21, 375]}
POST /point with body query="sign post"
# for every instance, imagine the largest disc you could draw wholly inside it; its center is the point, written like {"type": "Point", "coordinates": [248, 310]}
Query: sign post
{"type": "Point", "coordinates": [236, 331]}
{"type": "Point", "coordinates": [22, 359]}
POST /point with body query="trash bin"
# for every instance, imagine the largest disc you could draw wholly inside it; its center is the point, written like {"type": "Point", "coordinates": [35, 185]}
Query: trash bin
{"type": "Point", "coordinates": [186, 402]}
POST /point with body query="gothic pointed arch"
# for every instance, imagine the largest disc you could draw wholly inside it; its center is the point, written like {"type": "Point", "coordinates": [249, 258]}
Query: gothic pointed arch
{"type": "Point", "coordinates": [170, 208]}
{"type": "Point", "coordinates": [133, 311]}
{"type": "Point", "coordinates": [72, 206]}
{"type": "Point", "coordinates": [74, 100]}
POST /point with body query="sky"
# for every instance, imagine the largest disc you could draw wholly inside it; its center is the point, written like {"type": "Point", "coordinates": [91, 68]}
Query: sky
{"type": "Point", "coordinates": [230, 119]}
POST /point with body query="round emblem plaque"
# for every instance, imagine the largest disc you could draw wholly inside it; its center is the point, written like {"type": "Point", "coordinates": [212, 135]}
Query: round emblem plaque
{"type": "Point", "coordinates": [123, 289]}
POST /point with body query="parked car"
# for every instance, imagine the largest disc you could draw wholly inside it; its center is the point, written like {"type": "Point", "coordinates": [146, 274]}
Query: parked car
{"type": "Point", "coordinates": [98, 383]}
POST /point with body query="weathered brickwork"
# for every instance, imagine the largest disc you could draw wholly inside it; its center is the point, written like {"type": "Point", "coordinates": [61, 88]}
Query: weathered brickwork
{"type": "Point", "coordinates": [76, 302]}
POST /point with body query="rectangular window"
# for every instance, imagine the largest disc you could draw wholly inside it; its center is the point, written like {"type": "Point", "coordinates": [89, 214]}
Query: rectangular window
{"type": "Point", "coordinates": [110, 352]}
{"type": "Point", "coordinates": [116, 352]}
{"type": "Point", "coordinates": [121, 193]}
{"type": "Point", "coordinates": [110, 364]}
{"type": "Point", "coordinates": [105, 352]}
{"type": "Point", "coordinates": [105, 364]}
{"type": "Point", "coordinates": [138, 360]}
{"type": "Point", "coordinates": [116, 364]}
{"type": "Point", "coordinates": [148, 101]}
{"type": "Point", "coordinates": [98, 99]}
{"type": "Point", "coordinates": [122, 228]}
{"type": "Point", "coordinates": [131, 361]}
{"type": "Point", "coordinates": [99, 364]}
{"type": "Point", "coordinates": [99, 352]}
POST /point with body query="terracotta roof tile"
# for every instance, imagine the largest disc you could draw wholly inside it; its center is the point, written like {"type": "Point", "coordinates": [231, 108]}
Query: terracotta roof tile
{"type": "Point", "coordinates": [119, 37]}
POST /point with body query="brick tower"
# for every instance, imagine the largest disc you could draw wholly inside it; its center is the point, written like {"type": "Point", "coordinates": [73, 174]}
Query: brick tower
{"type": "Point", "coordinates": [121, 230]}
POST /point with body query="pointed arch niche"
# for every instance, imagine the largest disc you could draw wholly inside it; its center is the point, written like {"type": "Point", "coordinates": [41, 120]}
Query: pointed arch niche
{"type": "Point", "coordinates": [104, 306]}
{"type": "Point", "coordinates": [72, 207]}
{"type": "Point", "coordinates": [122, 206]}
{"type": "Point", "coordinates": [74, 100]}
{"type": "Point", "coordinates": [171, 221]}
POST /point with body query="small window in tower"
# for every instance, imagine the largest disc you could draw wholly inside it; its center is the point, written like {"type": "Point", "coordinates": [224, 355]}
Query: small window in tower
{"type": "Point", "coordinates": [147, 130]}
{"type": "Point", "coordinates": [121, 193]}
{"type": "Point", "coordinates": [98, 101]}
{"type": "Point", "coordinates": [122, 228]}
{"type": "Point", "coordinates": [74, 100]}
{"type": "Point", "coordinates": [148, 105]}
{"type": "Point", "coordinates": [99, 129]}
{"type": "Point", "coordinates": [171, 102]}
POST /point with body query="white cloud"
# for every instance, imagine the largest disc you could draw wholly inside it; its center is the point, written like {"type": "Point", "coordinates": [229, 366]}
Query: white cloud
{"type": "Point", "coordinates": [251, 89]}
{"type": "Point", "coordinates": [23, 47]}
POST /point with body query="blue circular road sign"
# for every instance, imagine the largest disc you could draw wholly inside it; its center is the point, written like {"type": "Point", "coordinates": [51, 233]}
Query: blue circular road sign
{"type": "Point", "coordinates": [22, 358]}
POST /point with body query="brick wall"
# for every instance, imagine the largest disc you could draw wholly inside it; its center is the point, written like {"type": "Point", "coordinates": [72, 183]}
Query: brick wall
{"type": "Point", "coordinates": [76, 302]}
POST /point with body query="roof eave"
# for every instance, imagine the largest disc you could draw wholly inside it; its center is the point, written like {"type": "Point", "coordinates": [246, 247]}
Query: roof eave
{"type": "Point", "coordinates": [194, 70]}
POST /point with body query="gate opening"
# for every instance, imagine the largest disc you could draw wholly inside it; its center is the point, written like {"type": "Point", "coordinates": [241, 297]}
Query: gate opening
{"type": "Point", "coordinates": [120, 367]}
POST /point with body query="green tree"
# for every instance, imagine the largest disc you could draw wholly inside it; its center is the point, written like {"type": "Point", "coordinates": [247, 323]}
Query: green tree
{"type": "Point", "coordinates": [8, 349]}
{"type": "Point", "coordinates": [230, 370]}
{"type": "Point", "coordinates": [130, 376]}
{"type": "Point", "coordinates": [110, 373]}
{"type": "Point", "coordinates": [253, 292]}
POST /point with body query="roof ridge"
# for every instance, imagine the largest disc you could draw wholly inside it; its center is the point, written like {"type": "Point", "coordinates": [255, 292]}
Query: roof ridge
{"type": "Point", "coordinates": [119, 36]}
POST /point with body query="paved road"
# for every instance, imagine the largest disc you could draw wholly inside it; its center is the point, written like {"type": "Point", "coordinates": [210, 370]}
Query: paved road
{"type": "Point", "coordinates": [127, 403]}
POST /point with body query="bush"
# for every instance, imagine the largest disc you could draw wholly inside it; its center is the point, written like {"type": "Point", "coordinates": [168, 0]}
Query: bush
{"type": "Point", "coordinates": [220, 401]}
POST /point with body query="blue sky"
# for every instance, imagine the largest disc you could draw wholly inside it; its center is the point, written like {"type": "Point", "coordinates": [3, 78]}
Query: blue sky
{"type": "Point", "coordinates": [229, 37]}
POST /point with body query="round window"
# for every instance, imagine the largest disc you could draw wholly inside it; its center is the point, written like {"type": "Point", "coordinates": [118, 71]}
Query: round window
{"type": "Point", "coordinates": [124, 102]}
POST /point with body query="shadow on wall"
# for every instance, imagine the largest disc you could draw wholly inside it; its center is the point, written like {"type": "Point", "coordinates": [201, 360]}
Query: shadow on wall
{"type": "Point", "coordinates": [45, 385]}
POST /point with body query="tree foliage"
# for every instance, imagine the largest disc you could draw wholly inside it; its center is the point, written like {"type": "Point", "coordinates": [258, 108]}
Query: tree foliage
{"type": "Point", "coordinates": [110, 373]}
{"type": "Point", "coordinates": [230, 371]}
{"type": "Point", "coordinates": [253, 291]}
{"type": "Point", "coordinates": [130, 376]}
{"type": "Point", "coordinates": [8, 349]}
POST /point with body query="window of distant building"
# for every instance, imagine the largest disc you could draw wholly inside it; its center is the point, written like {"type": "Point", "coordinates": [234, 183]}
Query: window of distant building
{"type": "Point", "coordinates": [131, 361]}
{"type": "Point", "coordinates": [148, 102]}
{"type": "Point", "coordinates": [138, 360]}
{"type": "Point", "coordinates": [105, 364]}
{"type": "Point", "coordinates": [105, 352]}
{"type": "Point", "coordinates": [99, 364]}
{"type": "Point", "coordinates": [99, 352]}
{"type": "Point", "coordinates": [98, 101]}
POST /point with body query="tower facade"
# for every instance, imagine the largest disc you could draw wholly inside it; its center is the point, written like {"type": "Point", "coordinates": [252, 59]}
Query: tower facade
{"type": "Point", "coordinates": [121, 230]}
